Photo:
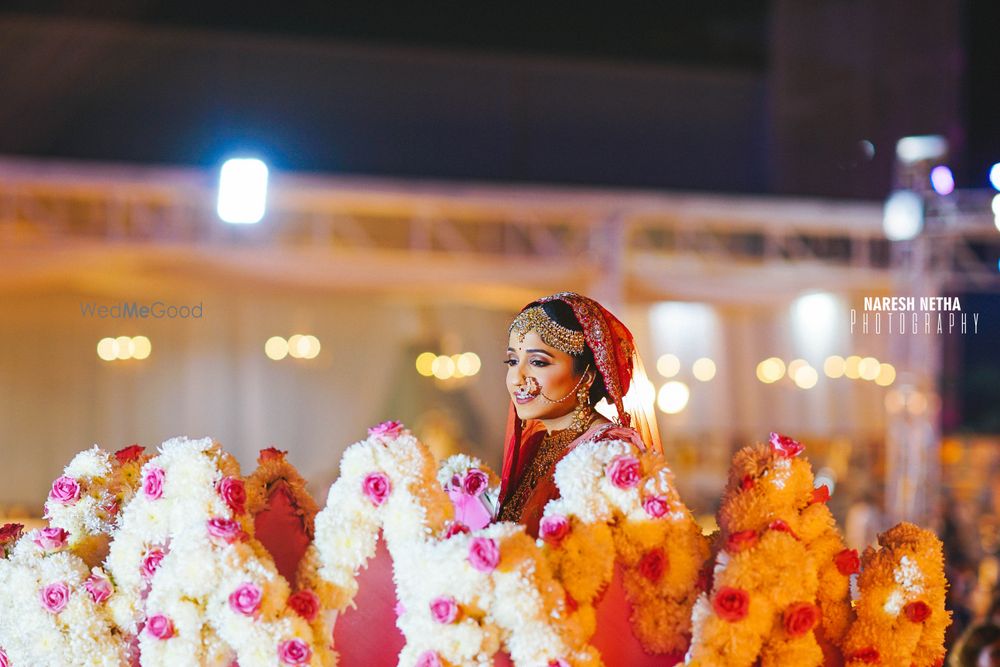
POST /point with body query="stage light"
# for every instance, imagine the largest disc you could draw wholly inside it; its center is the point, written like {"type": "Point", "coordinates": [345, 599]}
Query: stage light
{"type": "Point", "coordinates": [886, 375]}
{"type": "Point", "coordinates": [276, 348]}
{"type": "Point", "coordinates": [770, 370]}
{"type": "Point", "coordinates": [468, 363]}
{"type": "Point", "coordinates": [425, 363]}
{"type": "Point", "coordinates": [673, 397]}
{"type": "Point", "coordinates": [806, 377]}
{"type": "Point", "coordinates": [443, 367]}
{"type": "Point", "coordinates": [868, 368]}
{"type": "Point", "coordinates": [920, 148]}
{"type": "Point", "coordinates": [125, 347]}
{"type": "Point", "coordinates": [903, 215]}
{"type": "Point", "coordinates": [995, 176]}
{"type": "Point", "coordinates": [942, 180]}
{"type": "Point", "coordinates": [851, 367]}
{"type": "Point", "coordinates": [107, 349]}
{"type": "Point", "coordinates": [242, 191]}
{"type": "Point", "coordinates": [668, 365]}
{"type": "Point", "coordinates": [834, 366]}
{"type": "Point", "coordinates": [141, 347]}
{"type": "Point", "coordinates": [703, 369]}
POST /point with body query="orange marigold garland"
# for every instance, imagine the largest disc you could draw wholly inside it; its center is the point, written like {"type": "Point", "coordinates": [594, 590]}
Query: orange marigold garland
{"type": "Point", "coordinates": [901, 619]}
{"type": "Point", "coordinates": [775, 592]}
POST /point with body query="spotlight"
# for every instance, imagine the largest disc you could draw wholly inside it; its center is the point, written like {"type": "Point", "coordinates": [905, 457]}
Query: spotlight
{"type": "Point", "coordinates": [903, 215]}
{"type": "Point", "coordinates": [942, 180]}
{"type": "Point", "coordinates": [242, 191]}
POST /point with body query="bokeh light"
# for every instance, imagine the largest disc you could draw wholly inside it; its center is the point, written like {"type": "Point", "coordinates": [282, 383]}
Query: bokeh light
{"type": "Point", "coordinates": [834, 366]}
{"type": "Point", "coordinates": [868, 368]}
{"type": "Point", "coordinates": [942, 180]}
{"type": "Point", "coordinates": [703, 369]}
{"type": "Point", "coordinates": [673, 397]}
{"type": "Point", "coordinates": [886, 375]}
{"type": "Point", "coordinates": [276, 348]}
{"type": "Point", "coordinates": [806, 377]}
{"type": "Point", "coordinates": [668, 365]}
{"type": "Point", "coordinates": [851, 367]}
{"type": "Point", "coordinates": [770, 370]}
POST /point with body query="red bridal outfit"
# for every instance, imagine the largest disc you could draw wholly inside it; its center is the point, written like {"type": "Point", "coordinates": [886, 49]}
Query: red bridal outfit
{"type": "Point", "coordinates": [531, 454]}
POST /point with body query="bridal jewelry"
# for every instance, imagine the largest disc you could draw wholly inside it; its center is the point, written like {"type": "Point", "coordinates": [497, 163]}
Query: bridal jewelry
{"type": "Point", "coordinates": [529, 389]}
{"type": "Point", "coordinates": [553, 334]}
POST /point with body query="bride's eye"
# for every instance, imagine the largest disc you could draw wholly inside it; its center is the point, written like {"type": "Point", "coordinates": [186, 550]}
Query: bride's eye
{"type": "Point", "coordinates": [510, 362]}
{"type": "Point", "coordinates": [539, 363]}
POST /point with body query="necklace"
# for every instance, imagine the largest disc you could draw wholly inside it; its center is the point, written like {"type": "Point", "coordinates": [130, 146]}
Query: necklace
{"type": "Point", "coordinates": [552, 448]}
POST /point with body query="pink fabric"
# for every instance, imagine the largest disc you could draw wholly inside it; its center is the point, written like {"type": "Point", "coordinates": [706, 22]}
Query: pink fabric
{"type": "Point", "coordinates": [279, 528]}
{"type": "Point", "coordinates": [367, 636]}
{"type": "Point", "coordinates": [469, 509]}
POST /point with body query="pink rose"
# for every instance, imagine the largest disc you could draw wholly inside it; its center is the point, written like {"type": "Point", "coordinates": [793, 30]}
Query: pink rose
{"type": "Point", "coordinates": [554, 529]}
{"type": "Point", "coordinates": [50, 539]}
{"type": "Point", "coordinates": [151, 563]}
{"type": "Point", "coordinates": [129, 454]}
{"type": "Point", "coordinates": [558, 662]}
{"type": "Point", "coordinates": [389, 429]}
{"type": "Point", "coordinates": [245, 599]}
{"type": "Point", "coordinates": [786, 446]}
{"type": "Point", "coordinates": [4, 661]}
{"type": "Point", "coordinates": [444, 609]}
{"type": "Point", "coordinates": [55, 597]}
{"type": "Point", "coordinates": [232, 491]}
{"type": "Point", "coordinates": [624, 472]}
{"type": "Point", "coordinates": [428, 659]}
{"type": "Point", "coordinates": [228, 530]}
{"type": "Point", "coordinates": [305, 604]}
{"type": "Point", "coordinates": [475, 482]}
{"type": "Point", "coordinates": [376, 487]}
{"type": "Point", "coordinates": [152, 483]}
{"type": "Point", "coordinates": [294, 652]}
{"type": "Point", "coordinates": [484, 554]}
{"type": "Point", "coordinates": [655, 506]}
{"type": "Point", "coordinates": [160, 626]}
{"type": "Point", "coordinates": [65, 490]}
{"type": "Point", "coordinates": [456, 528]}
{"type": "Point", "coordinates": [98, 586]}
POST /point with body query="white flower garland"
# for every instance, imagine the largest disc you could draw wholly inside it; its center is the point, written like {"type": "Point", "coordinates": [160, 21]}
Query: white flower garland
{"type": "Point", "coordinates": [190, 579]}
{"type": "Point", "coordinates": [49, 616]}
{"type": "Point", "coordinates": [617, 503]}
{"type": "Point", "coordinates": [464, 594]}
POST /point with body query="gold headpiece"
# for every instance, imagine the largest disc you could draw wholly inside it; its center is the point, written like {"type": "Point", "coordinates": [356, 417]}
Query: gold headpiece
{"type": "Point", "coordinates": [552, 333]}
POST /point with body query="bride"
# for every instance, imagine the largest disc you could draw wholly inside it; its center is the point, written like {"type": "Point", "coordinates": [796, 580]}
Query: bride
{"type": "Point", "coordinates": [566, 354]}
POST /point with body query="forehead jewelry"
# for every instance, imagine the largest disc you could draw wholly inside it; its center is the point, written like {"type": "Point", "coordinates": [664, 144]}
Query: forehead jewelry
{"type": "Point", "coordinates": [552, 334]}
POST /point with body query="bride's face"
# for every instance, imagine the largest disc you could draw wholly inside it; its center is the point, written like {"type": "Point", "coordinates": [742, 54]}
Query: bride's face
{"type": "Point", "coordinates": [535, 368]}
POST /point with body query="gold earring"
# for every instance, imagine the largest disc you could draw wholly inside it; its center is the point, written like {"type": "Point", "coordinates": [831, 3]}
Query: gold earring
{"type": "Point", "coordinates": [583, 413]}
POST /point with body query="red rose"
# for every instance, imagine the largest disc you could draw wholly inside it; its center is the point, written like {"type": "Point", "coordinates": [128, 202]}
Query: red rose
{"type": "Point", "coordinates": [475, 482]}
{"type": "Point", "coordinates": [821, 494]}
{"type": "Point", "coordinates": [747, 482]}
{"type": "Point", "coordinates": [129, 454]}
{"type": "Point", "coordinates": [744, 539]}
{"type": "Point", "coordinates": [271, 454]}
{"type": "Point", "coordinates": [782, 527]}
{"type": "Point", "coordinates": [868, 655]}
{"type": "Point", "coordinates": [731, 604]}
{"type": "Point", "coordinates": [848, 562]}
{"type": "Point", "coordinates": [456, 528]}
{"type": "Point", "coordinates": [305, 604]}
{"type": "Point", "coordinates": [786, 446]}
{"type": "Point", "coordinates": [918, 611]}
{"type": "Point", "coordinates": [800, 617]}
{"type": "Point", "coordinates": [653, 564]}
{"type": "Point", "coordinates": [10, 532]}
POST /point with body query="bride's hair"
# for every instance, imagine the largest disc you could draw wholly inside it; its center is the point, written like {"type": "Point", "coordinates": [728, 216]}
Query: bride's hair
{"type": "Point", "coordinates": [562, 314]}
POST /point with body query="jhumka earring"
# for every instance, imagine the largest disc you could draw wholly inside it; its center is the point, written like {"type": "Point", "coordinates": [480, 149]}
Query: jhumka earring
{"type": "Point", "coordinates": [583, 413]}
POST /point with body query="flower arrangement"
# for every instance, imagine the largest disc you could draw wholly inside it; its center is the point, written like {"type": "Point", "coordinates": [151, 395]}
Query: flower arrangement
{"type": "Point", "coordinates": [464, 594]}
{"type": "Point", "coordinates": [190, 581]}
{"type": "Point", "coordinates": [901, 613]}
{"type": "Point", "coordinates": [472, 487]}
{"type": "Point", "coordinates": [619, 503]}
{"type": "Point", "coordinates": [763, 597]}
{"type": "Point", "coordinates": [53, 605]}
{"type": "Point", "coordinates": [87, 498]}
